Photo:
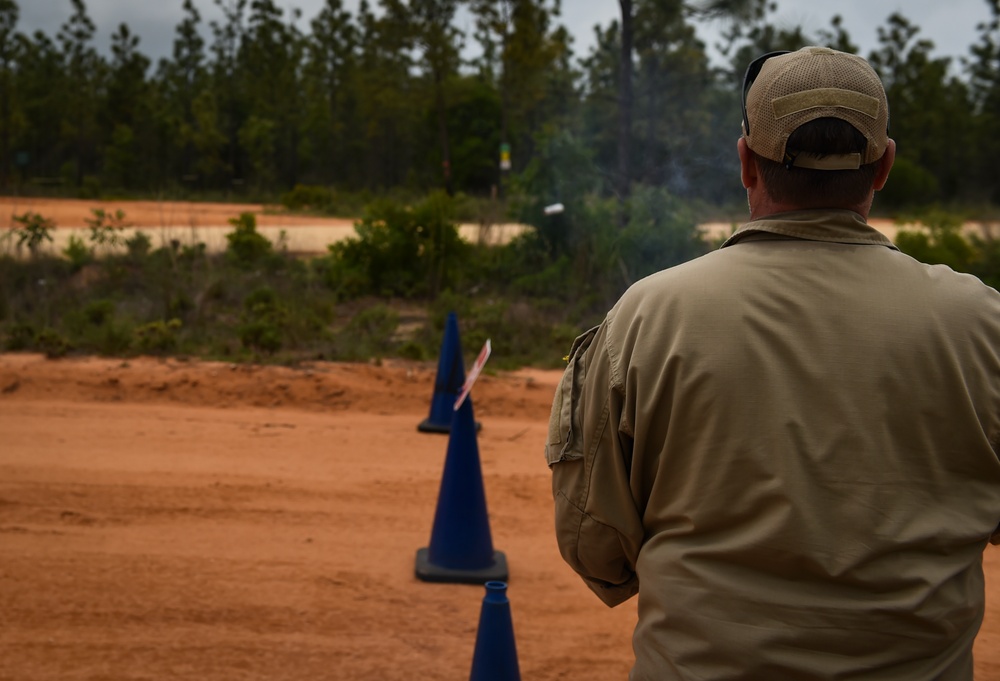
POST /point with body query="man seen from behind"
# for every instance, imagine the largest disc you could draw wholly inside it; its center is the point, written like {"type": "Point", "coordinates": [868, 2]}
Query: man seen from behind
{"type": "Point", "coordinates": [788, 448]}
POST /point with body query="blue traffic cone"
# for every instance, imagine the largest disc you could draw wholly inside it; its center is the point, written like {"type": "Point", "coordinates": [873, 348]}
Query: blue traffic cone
{"type": "Point", "coordinates": [448, 382]}
{"type": "Point", "coordinates": [461, 547]}
{"type": "Point", "coordinates": [495, 658]}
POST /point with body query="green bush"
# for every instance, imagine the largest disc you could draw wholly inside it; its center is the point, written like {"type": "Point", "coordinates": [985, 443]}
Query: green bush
{"type": "Point", "coordinates": [138, 246]}
{"type": "Point", "coordinates": [986, 263]}
{"type": "Point", "coordinates": [909, 184]}
{"type": "Point", "coordinates": [106, 229]}
{"type": "Point", "coordinates": [157, 337]}
{"type": "Point", "coordinates": [99, 312]}
{"type": "Point", "coordinates": [52, 343]}
{"type": "Point", "coordinates": [308, 197]}
{"type": "Point", "coordinates": [90, 188]}
{"type": "Point", "coordinates": [247, 247]}
{"type": "Point", "coordinates": [368, 334]}
{"type": "Point", "coordinates": [399, 251]}
{"type": "Point", "coordinates": [95, 328]}
{"type": "Point", "coordinates": [77, 252]}
{"type": "Point", "coordinates": [412, 350]}
{"type": "Point", "coordinates": [260, 336]}
{"type": "Point", "coordinates": [263, 320]}
{"type": "Point", "coordinates": [562, 171]}
{"type": "Point", "coordinates": [522, 333]}
{"type": "Point", "coordinates": [661, 232]}
{"type": "Point", "coordinates": [942, 244]}
{"type": "Point", "coordinates": [114, 339]}
{"type": "Point", "coordinates": [33, 232]}
{"type": "Point", "coordinates": [20, 337]}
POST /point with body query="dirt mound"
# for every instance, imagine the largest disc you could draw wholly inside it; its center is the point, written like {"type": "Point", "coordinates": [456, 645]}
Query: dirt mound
{"type": "Point", "coordinates": [392, 387]}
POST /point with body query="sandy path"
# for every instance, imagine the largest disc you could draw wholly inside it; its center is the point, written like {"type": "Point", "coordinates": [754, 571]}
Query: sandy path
{"type": "Point", "coordinates": [145, 533]}
{"type": "Point", "coordinates": [189, 222]}
{"type": "Point", "coordinates": [160, 519]}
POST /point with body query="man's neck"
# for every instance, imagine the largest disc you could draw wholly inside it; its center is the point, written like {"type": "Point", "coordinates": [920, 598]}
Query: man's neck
{"type": "Point", "coordinates": [763, 207]}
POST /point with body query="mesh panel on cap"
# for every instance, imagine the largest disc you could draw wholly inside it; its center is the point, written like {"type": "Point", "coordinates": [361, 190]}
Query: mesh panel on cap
{"type": "Point", "coordinates": [808, 69]}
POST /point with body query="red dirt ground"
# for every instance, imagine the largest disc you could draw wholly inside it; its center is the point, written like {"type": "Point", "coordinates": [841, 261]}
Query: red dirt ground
{"type": "Point", "coordinates": [172, 519]}
{"type": "Point", "coordinates": [192, 222]}
{"type": "Point", "coordinates": [74, 213]}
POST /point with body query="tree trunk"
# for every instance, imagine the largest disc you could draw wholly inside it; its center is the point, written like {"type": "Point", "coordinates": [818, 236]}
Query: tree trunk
{"type": "Point", "coordinates": [449, 184]}
{"type": "Point", "coordinates": [625, 113]}
{"type": "Point", "coordinates": [504, 100]}
{"type": "Point", "coordinates": [5, 117]}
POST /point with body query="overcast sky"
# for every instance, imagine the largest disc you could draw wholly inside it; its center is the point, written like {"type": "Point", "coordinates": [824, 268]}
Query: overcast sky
{"type": "Point", "coordinates": [950, 24]}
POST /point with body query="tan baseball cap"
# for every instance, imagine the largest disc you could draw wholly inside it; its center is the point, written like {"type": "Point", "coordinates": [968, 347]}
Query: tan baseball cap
{"type": "Point", "coordinates": [814, 82]}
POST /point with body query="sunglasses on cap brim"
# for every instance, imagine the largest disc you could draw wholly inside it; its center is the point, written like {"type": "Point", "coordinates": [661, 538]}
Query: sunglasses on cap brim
{"type": "Point", "coordinates": [753, 70]}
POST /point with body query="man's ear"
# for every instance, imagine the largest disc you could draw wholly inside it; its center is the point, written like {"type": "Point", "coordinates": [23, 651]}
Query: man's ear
{"type": "Point", "coordinates": [748, 167]}
{"type": "Point", "coordinates": [884, 165]}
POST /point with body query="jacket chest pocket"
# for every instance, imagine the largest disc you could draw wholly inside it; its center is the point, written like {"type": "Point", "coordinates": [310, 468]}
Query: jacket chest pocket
{"type": "Point", "coordinates": [565, 439]}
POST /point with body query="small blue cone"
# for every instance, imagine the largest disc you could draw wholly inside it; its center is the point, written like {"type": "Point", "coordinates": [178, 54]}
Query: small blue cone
{"type": "Point", "coordinates": [448, 382]}
{"type": "Point", "coordinates": [461, 547]}
{"type": "Point", "coordinates": [495, 658]}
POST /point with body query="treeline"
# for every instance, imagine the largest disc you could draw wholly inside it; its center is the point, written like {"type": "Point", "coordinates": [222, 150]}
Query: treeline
{"type": "Point", "coordinates": [385, 98]}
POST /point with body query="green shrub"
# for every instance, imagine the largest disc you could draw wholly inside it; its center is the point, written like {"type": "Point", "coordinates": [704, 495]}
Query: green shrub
{"type": "Point", "coordinates": [942, 244]}
{"type": "Point", "coordinates": [308, 197]}
{"type": "Point", "coordinates": [263, 321]}
{"type": "Point", "coordinates": [661, 232]}
{"type": "Point", "coordinates": [106, 229]}
{"type": "Point", "coordinates": [986, 264]}
{"type": "Point", "coordinates": [344, 274]}
{"type": "Point", "coordinates": [369, 333]}
{"type": "Point", "coordinates": [95, 328]}
{"type": "Point", "coordinates": [90, 188]}
{"type": "Point", "coordinates": [413, 350]}
{"type": "Point", "coordinates": [20, 337]}
{"type": "Point", "coordinates": [399, 251]}
{"type": "Point", "coordinates": [247, 247]}
{"type": "Point", "coordinates": [157, 337]}
{"type": "Point", "coordinates": [561, 171]}
{"type": "Point", "coordinates": [52, 343]}
{"type": "Point", "coordinates": [910, 184]}
{"type": "Point", "coordinates": [113, 339]}
{"type": "Point", "coordinates": [260, 336]}
{"type": "Point", "coordinates": [548, 280]}
{"type": "Point", "coordinates": [99, 312]}
{"type": "Point", "coordinates": [521, 332]}
{"type": "Point", "coordinates": [138, 246]}
{"type": "Point", "coordinates": [77, 253]}
{"type": "Point", "coordinates": [33, 232]}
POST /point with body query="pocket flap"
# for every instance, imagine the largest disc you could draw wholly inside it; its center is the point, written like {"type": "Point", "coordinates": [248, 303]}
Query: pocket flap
{"type": "Point", "coordinates": [565, 440]}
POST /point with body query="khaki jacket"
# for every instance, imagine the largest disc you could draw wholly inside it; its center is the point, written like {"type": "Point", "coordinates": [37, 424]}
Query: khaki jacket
{"type": "Point", "coordinates": [789, 449]}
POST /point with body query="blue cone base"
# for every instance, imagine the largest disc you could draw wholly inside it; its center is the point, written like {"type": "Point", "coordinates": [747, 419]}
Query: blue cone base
{"type": "Point", "coordinates": [428, 426]}
{"type": "Point", "coordinates": [429, 572]}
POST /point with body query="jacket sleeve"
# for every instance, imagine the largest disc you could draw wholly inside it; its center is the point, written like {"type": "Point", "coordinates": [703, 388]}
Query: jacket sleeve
{"type": "Point", "coordinates": [598, 528]}
{"type": "Point", "coordinates": [995, 537]}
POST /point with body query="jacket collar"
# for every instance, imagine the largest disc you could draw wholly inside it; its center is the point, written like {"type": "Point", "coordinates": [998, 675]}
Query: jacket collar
{"type": "Point", "coordinates": [837, 226]}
